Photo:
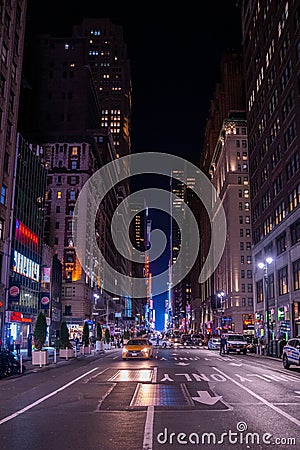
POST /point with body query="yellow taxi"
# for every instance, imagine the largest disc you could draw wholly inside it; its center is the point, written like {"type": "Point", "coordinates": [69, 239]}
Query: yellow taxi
{"type": "Point", "coordinates": [137, 348]}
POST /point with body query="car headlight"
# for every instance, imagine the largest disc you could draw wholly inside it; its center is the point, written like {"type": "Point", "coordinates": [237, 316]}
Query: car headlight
{"type": "Point", "coordinates": [124, 350]}
{"type": "Point", "coordinates": [144, 350]}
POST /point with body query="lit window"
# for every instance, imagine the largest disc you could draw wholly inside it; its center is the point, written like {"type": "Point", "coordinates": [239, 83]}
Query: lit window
{"type": "Point", "coordinates": [74, 150]}
{"type": "Point", "coordinates": [3, 194]}
{"type": "Point", "coordinates": [58, 194]}
{"type": "Point", "coordinates": [1, 229]}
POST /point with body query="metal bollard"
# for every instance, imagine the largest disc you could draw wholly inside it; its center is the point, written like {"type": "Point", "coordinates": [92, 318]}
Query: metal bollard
{"type": "Point", "coordinates": [67, 354]}
{"type": "Point", "coordinates": [54, 356]}
{"type": "Point", "coordinates": [21, 363]}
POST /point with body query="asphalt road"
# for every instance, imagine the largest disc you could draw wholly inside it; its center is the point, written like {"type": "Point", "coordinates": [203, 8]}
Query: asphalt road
{"type": "Point", "coordinates": [182, 398]}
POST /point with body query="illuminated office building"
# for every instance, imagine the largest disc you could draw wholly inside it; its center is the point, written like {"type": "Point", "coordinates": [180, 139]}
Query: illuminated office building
{"type": "Point", "coordinates": [272, 69]}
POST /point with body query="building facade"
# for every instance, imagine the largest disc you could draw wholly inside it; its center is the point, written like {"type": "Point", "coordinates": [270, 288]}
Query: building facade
{"type": "Point", "coordinates": [272, 68]}
{"type": "Point", "coordinates": [232, 281]}
{"type": "Point", "coordinates": [12, 29]}
{"type": "Point", "coordinates": [229, 95]}
{"type": "Point", "coordinates": [27, 242]}
{"type": "Point", "coordinates": [82, 104]}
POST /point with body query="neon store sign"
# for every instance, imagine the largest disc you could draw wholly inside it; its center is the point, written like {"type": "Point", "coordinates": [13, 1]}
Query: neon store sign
{"type": "Point", "coordinates": [26, 266]}
{"type": "Point", "coordinates": [25, 235]}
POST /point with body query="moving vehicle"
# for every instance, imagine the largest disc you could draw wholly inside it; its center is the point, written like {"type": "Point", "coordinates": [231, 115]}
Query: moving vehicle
{"type": "Point", "coordinates": [186, 339]}
{"type": "Point", "coordinates": [214, 344]}
{"type": "Point", "coordinates": [197, 339]}
{"type": "Point", "coordinates": [137, 348]}
{"type": "Point", "coordinates": [291, 353]}
{"type": "Point", "coordinates": [236, 343]}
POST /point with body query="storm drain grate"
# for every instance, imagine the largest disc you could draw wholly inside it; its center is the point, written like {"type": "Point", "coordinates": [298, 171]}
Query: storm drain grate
{"type": "Point", "coordinates": [133, 375]}
{"type": "Point", "coordinates": [160, 395]}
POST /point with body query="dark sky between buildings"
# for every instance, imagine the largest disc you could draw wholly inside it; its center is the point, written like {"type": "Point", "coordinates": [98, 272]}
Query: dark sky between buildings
{"type": "Point", "coordinates": [174, 51]}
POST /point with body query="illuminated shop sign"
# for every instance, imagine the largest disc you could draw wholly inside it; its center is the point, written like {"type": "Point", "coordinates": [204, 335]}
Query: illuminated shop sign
{"type": "Point", "coordinates": [26, 266]}
{"type": "Point", "coordinates": [15, 316]}
{"type": "Point", "coordinates": [25, 235]}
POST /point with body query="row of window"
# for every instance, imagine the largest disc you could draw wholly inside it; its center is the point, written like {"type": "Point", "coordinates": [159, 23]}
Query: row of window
{"type": "Point", "coordinates": [73, 180]}
{"type": "Point", "coordinates": [278, 216]}
{"type": "Point", "coordinates": [71, 194]}
{"type": "Point", "coordinates": [282, 282]}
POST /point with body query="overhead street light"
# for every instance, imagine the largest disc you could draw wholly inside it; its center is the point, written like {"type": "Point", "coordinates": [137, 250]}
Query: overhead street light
{"type": "Point", "coordinates": [264, 265]}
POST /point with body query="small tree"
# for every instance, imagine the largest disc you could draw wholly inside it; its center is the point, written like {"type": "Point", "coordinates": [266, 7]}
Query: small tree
{"type": "Point", "coordinates": [98, 332]}
{"type": "Point", "coordinates": [86, 335]}
{"type": "Point", "coordinates": [107, 336]}
{"type": "Point", "coordinates": [40, 331]}
{"type": "Point", "coordinates": [64, 336]}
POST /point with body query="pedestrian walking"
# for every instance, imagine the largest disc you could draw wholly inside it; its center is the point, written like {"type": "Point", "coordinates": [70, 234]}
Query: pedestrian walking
{"type": "Point", "coordinates": [18, 345]}
{"type": "Point", "coordinates": [223, 344]}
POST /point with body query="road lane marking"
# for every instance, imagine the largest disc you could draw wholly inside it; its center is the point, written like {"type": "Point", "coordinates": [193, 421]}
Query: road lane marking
{"type": "Point", "coordinates": [261, 399]}
{"type": "Point", "coordinates": [206, 398]}
{"type": "Point", "coordinates": [148, 430]}
{"type": "Point", "coordinates": [37, 402]}
{"type": "Point", "coordinates": [154, 378]}
{"type": "Point", "coordinates": [105, 395]}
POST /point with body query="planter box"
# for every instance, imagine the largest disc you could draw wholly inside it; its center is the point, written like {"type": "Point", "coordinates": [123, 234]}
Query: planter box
{"type": "Point", "coordinates": [40, 358]}
{"type": "Point", "coordinates": [85, 350]}
{"type": "Point", "coordinates": [99, 346]}
{"type": "Point", "coordinates": [66, 353]}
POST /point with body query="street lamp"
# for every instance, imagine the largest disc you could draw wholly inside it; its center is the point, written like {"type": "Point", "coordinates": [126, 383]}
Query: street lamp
{"type": "Point", "coordinates": [264, 265]}
{"type": "Point", "coordinates": [221, 295]}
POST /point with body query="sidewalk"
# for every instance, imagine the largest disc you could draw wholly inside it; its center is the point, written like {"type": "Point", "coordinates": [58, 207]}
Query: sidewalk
{"type": "Point", "coordinates": [55, 360]}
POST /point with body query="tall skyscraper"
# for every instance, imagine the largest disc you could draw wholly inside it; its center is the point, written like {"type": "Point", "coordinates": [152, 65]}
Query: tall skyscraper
{"type": "Point", "coordinates": [229, 96]}
{"type": "Point", "coordinates": [81, 115]}
{"type": "Point", "coordinates": [106, 55]}
{"type": "Point", "coordinates": [272, 68]}
{"type": "Point", "coordinates": [12, 28]}
{"type": "Point", "coordinates": [232, 281]}
{"type": "Point", "coordinates": [180, 298]}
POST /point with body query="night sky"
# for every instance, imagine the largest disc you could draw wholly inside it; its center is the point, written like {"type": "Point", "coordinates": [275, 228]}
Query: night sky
{"type": "Point", "coordinates": [174, 51]}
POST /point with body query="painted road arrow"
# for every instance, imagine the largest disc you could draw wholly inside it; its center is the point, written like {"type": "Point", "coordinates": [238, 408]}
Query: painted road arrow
{"type": "Point", "coordinates": [205, 397]}
{"type": "Point", "coordinates": [182, 364]}
{"type": "Point", "coordinates": [235, 364]}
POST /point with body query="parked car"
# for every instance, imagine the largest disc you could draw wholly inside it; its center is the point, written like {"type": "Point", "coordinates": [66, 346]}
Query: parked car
{"type": "Point", "coordinates": [291, 353]}
{"type": "Point", "coordinates": [137, 348]}
{"type": "Point", "coordinates": [236, 343]}
{"type": "Point", "coordinates": [214, 344]}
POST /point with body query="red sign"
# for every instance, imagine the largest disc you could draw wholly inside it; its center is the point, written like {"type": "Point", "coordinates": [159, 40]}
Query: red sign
{"type": "Point", "coordinates": [16, 316]}
{"type": "Point", "coordinates": [14, 291]}
{"type": "Point", "coordinates": [25, 235]}
{"type": "Point", "coordinates": [45, 300]}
